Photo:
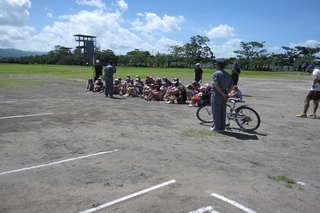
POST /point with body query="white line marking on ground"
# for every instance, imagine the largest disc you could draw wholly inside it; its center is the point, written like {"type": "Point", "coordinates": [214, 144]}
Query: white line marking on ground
{"type": "Point", "coordinates": [57, 162]}
{"type": "Point", "coordinates": [128, 197]}
{"type": "Point", "coordinates": [253, 85]}
{"type": "Point", "coordinates": [8, 102]}
{"type": "Point", "coordinates": [21, 116]}
{"type": "Point", "coordinates": [299, 88]}
{"type": "Point", "coordinates": [238, 205]}
{"type": "Point", "coordinates": [270, 89]}
{"type": "Point", "coordinates": [207, 209]}
{"type": "Point", "coordinates": [301, 183]}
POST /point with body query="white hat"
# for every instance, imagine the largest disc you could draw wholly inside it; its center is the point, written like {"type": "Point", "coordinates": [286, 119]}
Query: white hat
{"type": "Point", "coordinates": [97, 61]}
{"type": "Point", "coordinates": [197, 64]}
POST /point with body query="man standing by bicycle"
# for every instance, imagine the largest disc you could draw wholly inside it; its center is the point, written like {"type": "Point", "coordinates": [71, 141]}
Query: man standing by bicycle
{"type": "Point", "coordinates": [221, 86]}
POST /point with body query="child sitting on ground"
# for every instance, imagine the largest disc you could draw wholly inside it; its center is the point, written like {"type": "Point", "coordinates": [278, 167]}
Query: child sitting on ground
{"type": "Point", "coordinates": [155, 94]}
{"type": "Point", "coordinates": [197, 98]}
{"type": "Point", "coordinates": [98, 86]}
{"type": "Point", "coordinates": [235, 93]}
{"type": "Point", "coordinates": [89, 85]}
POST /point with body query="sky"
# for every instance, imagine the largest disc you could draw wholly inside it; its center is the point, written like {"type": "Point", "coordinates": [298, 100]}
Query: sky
{"type": "Point", "coordinates": [155, 25]}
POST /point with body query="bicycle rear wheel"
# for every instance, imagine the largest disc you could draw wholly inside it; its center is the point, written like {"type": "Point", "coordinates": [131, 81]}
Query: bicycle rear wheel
{"type": "Point", "coordinates": [204, 114]}
{"type": "Point", "coordinates": [247, 118]}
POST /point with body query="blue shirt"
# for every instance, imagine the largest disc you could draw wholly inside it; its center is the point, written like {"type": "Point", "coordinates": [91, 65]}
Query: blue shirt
{"type": "Point", "coordinates": [109, 70]}
{"type": "Point", "coordinates": [223, 79]}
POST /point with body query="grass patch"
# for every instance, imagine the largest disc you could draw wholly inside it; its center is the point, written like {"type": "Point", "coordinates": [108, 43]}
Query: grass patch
{"type": "Point", "coordinates": [14, 72]}
{"type": "Point", "coordinates": [287, 181]}
{"type": "Point", "coordinates": [198, 133]}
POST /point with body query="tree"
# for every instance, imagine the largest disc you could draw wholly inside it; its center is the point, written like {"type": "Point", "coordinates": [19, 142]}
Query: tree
{"type": "Point", "coordinates": [123, 60]}
{"type": "Point", "coordinates": [262, 61]}
{"type": "Point", "coordinates": [160, 59]}
{"type": "Point", "coordinates": [198, 50]}
{"type": "Point", "coordinates": [77, 57]}
{"type": "Point", "coordinates": [52, 57]}
{"type": "Point", "coordinates": [307, 55]}
{"type": "Point", "coordinates": [105, 56]}
{"type": "Point", "coordinates": [249, 51]}
{"type": "Point", "coordinates": [278, 60]}
{"type": "Point", "coordinates": [292, 55]}
{"type": "Point", "coordinates": [138, 57]}
{"type": "Point", "coordinates": [177, 52]}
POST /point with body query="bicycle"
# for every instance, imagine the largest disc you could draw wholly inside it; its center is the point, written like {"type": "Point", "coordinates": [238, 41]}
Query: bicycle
{"type": "Point", "coordinates": [245, 117]}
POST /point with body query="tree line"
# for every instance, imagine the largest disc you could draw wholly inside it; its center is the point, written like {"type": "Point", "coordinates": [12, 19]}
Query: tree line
{"type": "Point", "coordinates": [251, 55]}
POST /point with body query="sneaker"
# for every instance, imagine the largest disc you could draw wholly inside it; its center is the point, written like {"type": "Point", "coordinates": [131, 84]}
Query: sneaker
{"type": "Point", "coordinates": [312, 115]}
{"type": "Point", "coordinates": [191, 105]}
{"type": "Point", "coordinates": [213, 129]}
{"type": "Point", "coordinates": [301, 115]}
{"type": "Point", "coordinates": [168, 102]}
{"type": "Point", "coordinates": [126, 95]}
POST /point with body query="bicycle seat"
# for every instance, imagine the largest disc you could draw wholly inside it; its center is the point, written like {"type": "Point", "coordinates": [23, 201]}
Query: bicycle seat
{"type": "Point", "coordinates": [235, 100]}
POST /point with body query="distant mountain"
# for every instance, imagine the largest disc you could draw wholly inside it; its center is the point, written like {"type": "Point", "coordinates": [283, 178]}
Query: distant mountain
{"type": "Point", "coordinates": [11, 52]}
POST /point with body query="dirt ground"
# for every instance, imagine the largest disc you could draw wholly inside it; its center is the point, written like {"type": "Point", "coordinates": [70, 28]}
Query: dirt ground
{"type": "Point", "coordinates": [47, 162]}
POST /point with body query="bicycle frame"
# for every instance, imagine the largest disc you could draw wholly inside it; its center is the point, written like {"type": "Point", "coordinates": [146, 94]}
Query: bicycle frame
{"type": "Point", "coordinates": [233, 109]}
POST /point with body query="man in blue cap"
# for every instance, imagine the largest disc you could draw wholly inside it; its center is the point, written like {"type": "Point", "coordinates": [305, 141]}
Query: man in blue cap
{"type": "Point", "coordinates": [221, 86]}
{"type": "Point", "coordinates": [314, 93]}
{"type": "Point", "coordinates": [109, 71]}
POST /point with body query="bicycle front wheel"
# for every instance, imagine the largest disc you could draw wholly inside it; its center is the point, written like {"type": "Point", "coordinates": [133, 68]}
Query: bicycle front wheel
{"type": "Point", "coordinates": [204, 114]}
{"type": "Point", "coordinates": [247, 119]}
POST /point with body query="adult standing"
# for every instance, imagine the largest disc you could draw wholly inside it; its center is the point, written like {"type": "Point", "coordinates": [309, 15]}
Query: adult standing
{"type": "Point", "coordinates": [221, 87]}
{"type": "Point", "coordinates": [109, 71]}
{"type": "Point", "coordinates": [314, 93]}
{"type": "Point", "coordinates": [235, 73]}
{"type": "Point", "coordinates": [98, 67]}
{"type": "Point", "coordinates": [198, 73]}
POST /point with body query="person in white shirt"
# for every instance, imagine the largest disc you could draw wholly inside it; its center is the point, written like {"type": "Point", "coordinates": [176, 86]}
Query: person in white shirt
{"type": "Point", "coordinates": [314, 93]}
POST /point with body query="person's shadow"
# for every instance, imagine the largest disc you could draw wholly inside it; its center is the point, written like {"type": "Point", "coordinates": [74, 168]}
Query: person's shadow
{"type": "Point", "coordinates": [241, 134]}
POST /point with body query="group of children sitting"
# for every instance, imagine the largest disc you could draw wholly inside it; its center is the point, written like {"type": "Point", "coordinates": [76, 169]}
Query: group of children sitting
{"type": "Point", "coordinates": [160, 89]}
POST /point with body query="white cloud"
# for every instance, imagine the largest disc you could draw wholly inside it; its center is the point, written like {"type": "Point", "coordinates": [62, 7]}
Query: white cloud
{"type": "Point", "coordinates": [307, 43]}
{"type": "Point", "coordinates": [275, 49]}
{"type": "Point", "coordinates": [14, 12]}
{"type": "Point", "coordinates": [148, 36]}
{"type": "Point", "coordinates": [13, 18]}
{"type": "Point", "coordinates": [222, 31]}
{"type": "Point", "coordinates": [15, 37]}
{"type": "Point", "coordinates": [163, 44]}
{"type": "Point", "coordinates": [92, 3]}
{"type": "Point", "coordinates": [226, 49]}
{"type": "Point", "coordinates": [153, 22]}
{"type": "Point", "coordinates": [49, 12]}
{"type": "Point", "coordinates": [104, 25]}
{"type": "Point", "coordinates": [122, 4]}
{"type": "Point", "coordinates": [223, 41]}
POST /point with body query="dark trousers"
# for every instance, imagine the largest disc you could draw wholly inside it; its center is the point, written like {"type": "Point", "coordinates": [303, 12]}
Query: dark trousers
{"type": "Point", "coordinates": [109, 86]}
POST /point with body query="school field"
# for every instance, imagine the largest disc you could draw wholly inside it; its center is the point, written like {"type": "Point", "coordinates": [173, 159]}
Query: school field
{"type": "Point", "coordinates": [66, 150]}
